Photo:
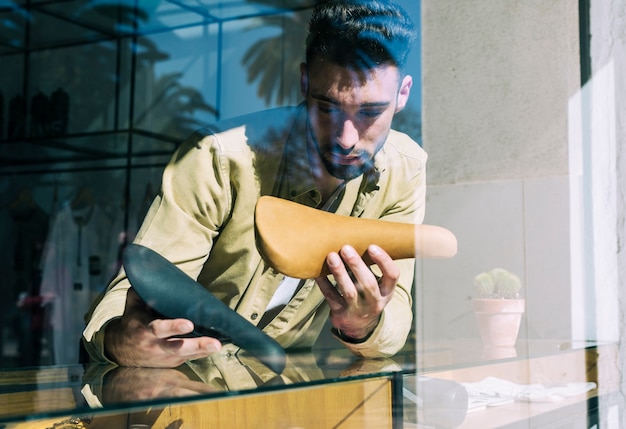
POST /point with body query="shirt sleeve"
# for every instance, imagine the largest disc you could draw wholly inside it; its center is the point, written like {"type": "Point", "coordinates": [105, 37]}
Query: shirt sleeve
{"type": "Point", "coordinates": [181, 225]}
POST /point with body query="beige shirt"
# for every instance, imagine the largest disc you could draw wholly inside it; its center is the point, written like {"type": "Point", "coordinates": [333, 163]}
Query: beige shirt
{"type": "Point", "coordinates": [203, 221]}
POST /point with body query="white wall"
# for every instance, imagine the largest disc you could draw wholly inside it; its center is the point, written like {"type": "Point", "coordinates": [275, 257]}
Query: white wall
{"type": "Point", "coordinates": [607, 114]}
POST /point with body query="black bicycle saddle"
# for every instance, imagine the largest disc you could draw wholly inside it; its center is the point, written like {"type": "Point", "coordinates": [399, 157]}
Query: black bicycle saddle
{"type": "Point", "coordinates": [173, 294]}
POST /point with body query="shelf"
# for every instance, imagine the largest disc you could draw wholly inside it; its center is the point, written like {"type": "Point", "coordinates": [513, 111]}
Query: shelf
{"type": "Point", "coordinates": [97, 150]}
{"type": "Point", "coordinates": [137, 78]}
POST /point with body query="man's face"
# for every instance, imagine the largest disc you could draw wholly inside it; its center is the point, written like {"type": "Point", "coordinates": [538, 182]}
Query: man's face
{"type": "Point", "coordinates": [350, 112]}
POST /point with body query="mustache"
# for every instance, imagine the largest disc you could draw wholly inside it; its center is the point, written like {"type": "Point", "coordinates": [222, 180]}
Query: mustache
{"type": "Point", "coordinates": [340, 151]}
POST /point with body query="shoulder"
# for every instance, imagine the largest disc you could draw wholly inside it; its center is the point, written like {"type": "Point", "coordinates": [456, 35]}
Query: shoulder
{"type": "Point", "coordinates": [256, 129]}
{"type": "Point", "coordinates": [262, 119]}
{"type": "Point", "coordinates": [401, 156]}
{"type": "Point", "coordinates": [401, 145]}
{"type": "Point", "coordinates": [237, 139]}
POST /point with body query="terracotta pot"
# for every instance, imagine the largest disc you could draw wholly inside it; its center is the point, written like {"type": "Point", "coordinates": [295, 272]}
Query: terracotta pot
{"type": "Point", "coordinates": [498, 320]}
{"type": "Point", "coordinates": [495, 353]}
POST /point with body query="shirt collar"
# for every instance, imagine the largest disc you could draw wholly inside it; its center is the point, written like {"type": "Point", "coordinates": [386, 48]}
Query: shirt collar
{"type": "Point", "coordinates": [298, 181]}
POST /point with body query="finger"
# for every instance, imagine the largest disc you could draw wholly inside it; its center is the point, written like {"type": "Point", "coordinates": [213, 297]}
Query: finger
{"type": "Point", "coordinates": [132, 298]}
{"type": "Point", "coordinates": [363, 282]}
{"type": "Point", "coordinates": [196, 348]}
{"type": "Point", "coordinates": [389, 269]}
{"type": "Point", "coordinates": [185, 384]}
{"type": "Point", "coordinates": [332, 295]}
{"type": "Point", "coordinates": [152, 383]}
{"type": "Point", "coordinates": [191, 388]}
{"type": "Point", "coordinates": [165, 328]}
{"type": "Point", "coordinates": [345, 285]}
{"type": "Point", "coordinates": [195, 387]}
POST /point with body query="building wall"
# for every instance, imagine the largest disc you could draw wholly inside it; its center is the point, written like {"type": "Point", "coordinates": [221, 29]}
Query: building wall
{"type": "Point", "coordinates": [527, 166]}
{"type": "Point", "coordinates": [498, 78]}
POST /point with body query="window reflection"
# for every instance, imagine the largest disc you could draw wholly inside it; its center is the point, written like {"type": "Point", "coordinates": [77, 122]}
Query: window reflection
{"type": "Point", "coordinates": [95, 95]}
{"type": "Point", "coordinates": [94, 98]}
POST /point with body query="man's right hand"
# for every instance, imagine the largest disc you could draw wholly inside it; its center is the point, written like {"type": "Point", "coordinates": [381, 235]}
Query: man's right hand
{"type": "Point", "coordinates": [125, 384]}
{"type": "Point", "coordinates": [140, 339]}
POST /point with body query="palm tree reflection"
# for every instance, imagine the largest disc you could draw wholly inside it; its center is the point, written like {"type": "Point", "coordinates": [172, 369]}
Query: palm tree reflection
{"type": "Point", "coordinates": [274, 61]}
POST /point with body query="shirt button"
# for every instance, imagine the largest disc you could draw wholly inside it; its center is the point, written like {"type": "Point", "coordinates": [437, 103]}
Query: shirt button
{"type": "Point", "coordinates": [254, 316]}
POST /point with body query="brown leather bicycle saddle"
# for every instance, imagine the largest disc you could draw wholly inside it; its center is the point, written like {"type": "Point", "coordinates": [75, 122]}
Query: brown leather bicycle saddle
{"type": "Point", "coordinates": [295, 239]}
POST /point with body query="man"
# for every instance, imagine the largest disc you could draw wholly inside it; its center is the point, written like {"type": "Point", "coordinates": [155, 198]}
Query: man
{"type": "Point", "coordinates": [336, 152]}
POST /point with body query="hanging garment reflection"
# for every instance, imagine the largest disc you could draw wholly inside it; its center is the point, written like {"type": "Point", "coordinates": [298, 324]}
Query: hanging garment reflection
{"type": "Point", "coordinates": [75, 270]}
{"type": "Point", "coordinates": [29, 231]}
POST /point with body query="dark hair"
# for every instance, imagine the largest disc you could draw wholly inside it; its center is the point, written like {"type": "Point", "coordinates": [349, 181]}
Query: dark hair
{"type": "Point", "coordinates": [359, 33]}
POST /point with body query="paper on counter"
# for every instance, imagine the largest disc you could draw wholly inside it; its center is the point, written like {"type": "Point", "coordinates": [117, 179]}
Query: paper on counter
{"type": "Point", "coordinates": [493, 387]}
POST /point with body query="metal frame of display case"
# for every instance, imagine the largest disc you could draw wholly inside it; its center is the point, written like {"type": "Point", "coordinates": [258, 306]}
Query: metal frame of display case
{"type": "Point", "coordinates": [119, 157]}
{"type": "Point", "coordinates": [196, 14]}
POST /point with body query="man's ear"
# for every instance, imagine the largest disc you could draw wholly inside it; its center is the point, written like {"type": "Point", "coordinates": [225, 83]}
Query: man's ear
{"type": "Point", "coordinates": [304, 80]}
{"type": "Point", "coordinates": [404, 92]}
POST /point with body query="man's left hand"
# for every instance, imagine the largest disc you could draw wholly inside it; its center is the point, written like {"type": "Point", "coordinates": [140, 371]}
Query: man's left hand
{"type": "Point", "coordinates": [359, 296]}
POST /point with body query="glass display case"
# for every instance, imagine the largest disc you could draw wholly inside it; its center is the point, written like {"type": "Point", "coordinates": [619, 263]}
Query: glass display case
{"type": "Point", "coordinates": [437, 385]}
{"type": "Point", "coordinates": [96, 95]}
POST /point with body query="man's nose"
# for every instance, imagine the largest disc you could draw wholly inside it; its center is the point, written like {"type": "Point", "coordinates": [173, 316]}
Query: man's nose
{"type": "Point", "coordinates": [348, 135]}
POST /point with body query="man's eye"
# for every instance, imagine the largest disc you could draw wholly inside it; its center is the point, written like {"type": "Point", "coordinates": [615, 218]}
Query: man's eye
{"type": "Point", "coordinates": [371, 113]}
{"type": "Point", "coordinates": [327, 109]}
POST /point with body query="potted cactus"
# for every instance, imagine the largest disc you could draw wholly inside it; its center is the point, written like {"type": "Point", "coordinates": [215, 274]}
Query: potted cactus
{"type": "Point", "coordinates": [498, 307]}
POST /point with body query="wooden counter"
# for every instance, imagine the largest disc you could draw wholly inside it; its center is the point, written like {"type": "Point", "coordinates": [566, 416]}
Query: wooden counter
{"type": "Point", "coordinates": [335, 391]}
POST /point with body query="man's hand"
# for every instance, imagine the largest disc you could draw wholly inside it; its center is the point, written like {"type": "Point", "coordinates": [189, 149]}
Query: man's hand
{"type": "Point", "coordinates": [125, 384]}
{"type": "Point", "coordinates": [359, 297]}
{"type": "Point", "coordinates": [140, 339]}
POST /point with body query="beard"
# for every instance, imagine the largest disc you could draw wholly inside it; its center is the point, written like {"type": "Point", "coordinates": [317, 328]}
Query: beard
{"type": "Point", "coordinates": [330, 153]}
{"type": "Point", "coordinates": [344, 171]}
